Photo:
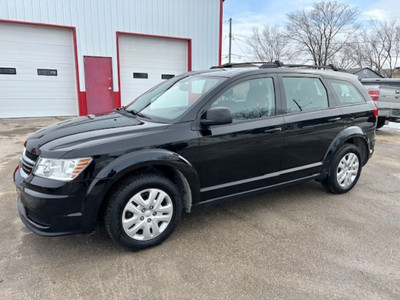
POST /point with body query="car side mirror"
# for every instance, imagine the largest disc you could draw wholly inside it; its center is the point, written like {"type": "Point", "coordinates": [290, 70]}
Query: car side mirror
{"type": "Point", "coordinates": [216, 116]}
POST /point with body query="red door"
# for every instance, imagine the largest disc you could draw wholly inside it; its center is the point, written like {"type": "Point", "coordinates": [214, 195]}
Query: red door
{"type": "Point", "coordinates": [98, 81]}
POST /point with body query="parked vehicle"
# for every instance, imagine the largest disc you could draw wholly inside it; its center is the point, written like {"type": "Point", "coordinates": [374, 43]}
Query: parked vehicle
{"type": "Point", "coordinates": [386, 94]}
{"type": "Point", "coordinates": [196, 139]}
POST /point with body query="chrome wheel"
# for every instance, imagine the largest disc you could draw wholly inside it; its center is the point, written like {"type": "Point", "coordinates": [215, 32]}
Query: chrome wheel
{"type": "Point", "coordinates": [347, 170]}
{"type": "Point", "coordinates": [147, 214]}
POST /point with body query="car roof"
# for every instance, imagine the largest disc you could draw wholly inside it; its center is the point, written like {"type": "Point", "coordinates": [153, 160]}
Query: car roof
{"type": "Point", "coordinates": [229, 72]}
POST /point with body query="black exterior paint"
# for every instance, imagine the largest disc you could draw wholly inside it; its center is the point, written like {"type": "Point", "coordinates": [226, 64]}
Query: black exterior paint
{"type": "Point", "coordinates": [218, 162]}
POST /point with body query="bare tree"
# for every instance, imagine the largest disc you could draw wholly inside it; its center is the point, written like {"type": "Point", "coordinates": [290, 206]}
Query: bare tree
{"type": "Point", "coordinates": [346, 58]}
{"type": "Point", "coordinates": [352, 55]}
{"type": "Point", "coordinates": [268, 45]}
{"type": "Point", "coordinates": [323, 30]}
{"type": "Point", "coordinates": [381, 45]}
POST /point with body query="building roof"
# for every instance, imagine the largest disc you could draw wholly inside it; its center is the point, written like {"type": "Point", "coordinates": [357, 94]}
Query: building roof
{"type": "Point", "coordinates": [357, 70]}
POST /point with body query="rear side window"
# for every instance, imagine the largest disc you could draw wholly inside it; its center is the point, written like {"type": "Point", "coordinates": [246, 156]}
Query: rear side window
{"type": "Point", "coordinates": [304, 94]}
{"type": "Point", "coordinates": [345, 92]}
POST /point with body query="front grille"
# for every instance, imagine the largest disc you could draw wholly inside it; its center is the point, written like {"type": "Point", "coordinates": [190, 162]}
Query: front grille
{"type": "Point", "coordinates": [34, 217]}
{"type": "Point", "coordinates": [27, 169]}
{"type": "Point", "coordinates": [28, 162]}
{"type": "Point", "coordinates": [31, 156]}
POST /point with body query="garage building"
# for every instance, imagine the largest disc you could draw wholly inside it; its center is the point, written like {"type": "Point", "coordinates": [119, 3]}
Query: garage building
{"type": "Point", "coordinates": [70, 57]}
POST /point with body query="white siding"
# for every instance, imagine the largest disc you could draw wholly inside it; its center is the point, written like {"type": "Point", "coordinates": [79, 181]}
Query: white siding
{"type": "Point", "coordinates": [97, 21]}
{"type": "Point", "coordinates": [150, 55]}
{"type": "Point", "coordinates": [27, 49]}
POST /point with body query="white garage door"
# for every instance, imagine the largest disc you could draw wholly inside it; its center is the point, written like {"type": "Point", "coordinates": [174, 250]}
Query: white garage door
{"type": "Point", "coordinates": [146, 61]}
{"type": "Point", "coordinates": [37, 71]}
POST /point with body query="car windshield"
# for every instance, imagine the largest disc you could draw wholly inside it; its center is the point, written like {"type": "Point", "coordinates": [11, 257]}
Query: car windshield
{"type": "Point", "coordinates": [171, 99]}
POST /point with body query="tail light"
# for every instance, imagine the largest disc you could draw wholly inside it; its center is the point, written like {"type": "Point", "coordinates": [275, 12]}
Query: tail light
{"type": "Point", "coordinates": [376, 112]}
{"type": "Point", "coordinates": [374, 94]}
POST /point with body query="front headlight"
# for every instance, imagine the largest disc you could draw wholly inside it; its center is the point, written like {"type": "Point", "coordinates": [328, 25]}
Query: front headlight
{"type": "Point", "coordinates": [60, 169]}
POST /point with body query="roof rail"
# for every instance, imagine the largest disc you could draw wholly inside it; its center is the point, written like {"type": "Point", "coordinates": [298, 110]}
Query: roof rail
{"type": "Point", "coordinates": [275, 64]}
{"type": "Point", "coordinates": [237, 65]}
{"type": "Point", "coordinates": [330, 66]}
{"type": "Point", "coordinates": [263, 64]}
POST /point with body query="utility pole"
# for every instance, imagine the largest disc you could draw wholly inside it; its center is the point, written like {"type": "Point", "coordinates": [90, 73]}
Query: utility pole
{"type": "Point", "coordinates": [230, 40]}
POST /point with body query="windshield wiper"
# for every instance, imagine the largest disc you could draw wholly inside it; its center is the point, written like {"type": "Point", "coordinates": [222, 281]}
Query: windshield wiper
{"type": "Point", "coordinates": [137, 113]}
{"type": "Point", "coordinates": [132, 112]}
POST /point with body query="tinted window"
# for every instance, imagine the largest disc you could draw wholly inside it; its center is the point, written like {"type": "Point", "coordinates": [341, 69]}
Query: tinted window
{"type": "Point", "coordinates": [250, 99]}
{"type": "Point", "coordinates": [346, 92]}
{"type": "Point", "coordinates": [304, 94]}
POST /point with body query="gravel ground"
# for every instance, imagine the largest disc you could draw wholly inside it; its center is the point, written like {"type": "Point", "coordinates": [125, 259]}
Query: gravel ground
{"type": "Point", "coordinates": [299, 242]}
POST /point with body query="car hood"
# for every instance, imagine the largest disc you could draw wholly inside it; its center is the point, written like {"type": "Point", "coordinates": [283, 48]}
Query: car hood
{"type": "Point", "coordinates": [87, 131]}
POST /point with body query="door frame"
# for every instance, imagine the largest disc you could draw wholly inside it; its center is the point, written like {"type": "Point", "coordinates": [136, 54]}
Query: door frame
{"type": "Point", "coordinates": [111, 78]}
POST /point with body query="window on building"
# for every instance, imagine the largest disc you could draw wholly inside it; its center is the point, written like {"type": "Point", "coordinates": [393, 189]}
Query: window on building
{"type": "Point", "coordinates": [167, 76]}
{"type": "Point", "coordinates": [304, 94]}
{"type": "Point", "coordinates": [8, 71]}
{"type": "Point", "coordinates": [140, 75]}
{"type": "Point", "coordinates": [47, 72]}
{"type": "Point", "coordinates": [250, 99]}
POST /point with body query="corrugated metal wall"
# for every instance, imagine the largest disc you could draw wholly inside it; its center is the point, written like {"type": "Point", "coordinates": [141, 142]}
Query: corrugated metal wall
{"type": "Point", "coordinates": [97, 21]}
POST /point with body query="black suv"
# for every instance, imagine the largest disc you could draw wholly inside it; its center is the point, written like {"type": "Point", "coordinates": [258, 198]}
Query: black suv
{"type": "Point", "coordinates": [198, 138]}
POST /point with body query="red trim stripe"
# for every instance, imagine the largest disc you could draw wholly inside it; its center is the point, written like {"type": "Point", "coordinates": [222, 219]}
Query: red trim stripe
{"type": "Point", "coordinates": [117, 103]}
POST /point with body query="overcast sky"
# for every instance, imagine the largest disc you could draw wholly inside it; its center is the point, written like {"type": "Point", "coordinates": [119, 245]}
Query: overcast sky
{"type": "Point", "coordinates": [249, 13]}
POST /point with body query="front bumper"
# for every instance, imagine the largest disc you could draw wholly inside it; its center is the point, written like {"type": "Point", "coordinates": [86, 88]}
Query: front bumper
{"type": "Point", "coordinates": [50, 210]}
{"type": "Point", "coordinates": [45, 229]}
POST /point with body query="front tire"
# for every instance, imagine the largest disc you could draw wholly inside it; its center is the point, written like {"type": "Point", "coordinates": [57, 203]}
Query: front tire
{"type": "Point", "coordinates": [143, 211]}
{"type": "Point", "coordinates": [345, 170]}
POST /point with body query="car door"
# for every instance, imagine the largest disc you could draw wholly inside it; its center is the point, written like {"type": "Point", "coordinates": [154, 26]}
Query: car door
{"type": "Point", "coordinates": [246, 154]}
{"type": "Point", "coordinates": [312, 121]}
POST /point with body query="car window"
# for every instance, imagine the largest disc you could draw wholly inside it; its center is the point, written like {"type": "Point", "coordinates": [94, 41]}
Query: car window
{"type": "Point", "coordinates": [345, 92]}
{"type": "Point", "coordinates": [304, 94]}
{"type": "Point", "coordinates": [251, 99]}
{"type": "Point", "coordinates": [174, 97]}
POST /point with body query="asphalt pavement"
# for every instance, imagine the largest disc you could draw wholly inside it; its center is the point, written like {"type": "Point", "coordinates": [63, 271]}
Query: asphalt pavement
{"type": "Point", "coordinates": [298, 242]}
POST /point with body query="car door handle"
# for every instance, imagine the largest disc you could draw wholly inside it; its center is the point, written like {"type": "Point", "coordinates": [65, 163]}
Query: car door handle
{"type": "Point", "coordinates": [334, 119]}
{"type": "Point", "coordinates": [273, 130]}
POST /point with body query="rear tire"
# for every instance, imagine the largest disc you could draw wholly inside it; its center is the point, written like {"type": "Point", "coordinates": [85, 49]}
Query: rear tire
{"type": "Point", "coordinates": [381, 122]}
{"type": "Point", "coordinates": [345, 170]}
{"type": "Point", "coordinates": [143, 211]}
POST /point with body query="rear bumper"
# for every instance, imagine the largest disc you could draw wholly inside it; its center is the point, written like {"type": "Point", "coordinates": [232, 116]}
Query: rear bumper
{"type": "Point", "coordinates": [389, 113]}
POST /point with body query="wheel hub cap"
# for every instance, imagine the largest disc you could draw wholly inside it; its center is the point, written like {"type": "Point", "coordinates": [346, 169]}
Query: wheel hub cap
{"type": "Point", "coordinates": [347, 170]}
{"type": "Point", "coordinates": [147, 214]}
